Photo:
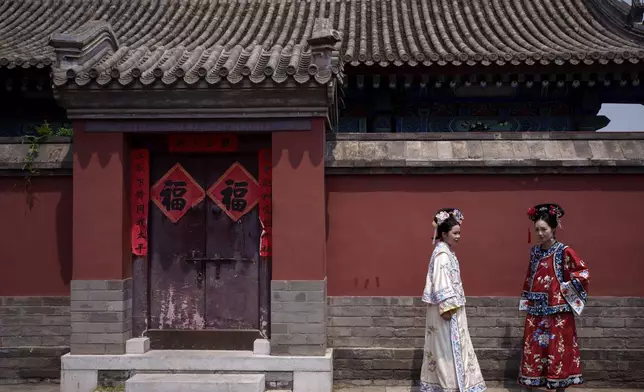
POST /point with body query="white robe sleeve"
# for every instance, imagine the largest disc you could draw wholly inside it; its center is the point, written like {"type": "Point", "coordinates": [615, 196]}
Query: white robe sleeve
{"type": "Point", "coordinates": [439, 289]}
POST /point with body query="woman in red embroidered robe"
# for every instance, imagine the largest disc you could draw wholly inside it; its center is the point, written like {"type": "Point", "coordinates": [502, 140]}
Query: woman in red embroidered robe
{"type": "Point", "coordinates": [554, 291]}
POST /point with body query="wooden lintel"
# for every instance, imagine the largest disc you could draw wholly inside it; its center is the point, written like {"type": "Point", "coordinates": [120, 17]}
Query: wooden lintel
{"type": "Point", "coordinates": [223, 125]}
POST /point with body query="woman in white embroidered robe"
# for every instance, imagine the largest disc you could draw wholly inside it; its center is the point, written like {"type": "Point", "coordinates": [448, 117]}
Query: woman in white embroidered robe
{"type": "Point", "coordinates": [449, 361]}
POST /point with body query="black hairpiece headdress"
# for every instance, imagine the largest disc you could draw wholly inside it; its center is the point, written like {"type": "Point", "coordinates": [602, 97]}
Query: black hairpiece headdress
{"type": "Point", "coordinates": [442, 215]}
{"type": "Point", "coordinates": [538, 211]}
{"type": "Point", "coordinates": [542, 210]}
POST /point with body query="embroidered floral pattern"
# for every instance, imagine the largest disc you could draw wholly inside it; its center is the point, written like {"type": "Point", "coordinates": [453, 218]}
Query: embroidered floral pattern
{"type": "Point", "coordinates": [431, 362]}
{"type": "Point", "coordinates": [550, 352]}
{"type": "Point", "coordinates": [542, 335]}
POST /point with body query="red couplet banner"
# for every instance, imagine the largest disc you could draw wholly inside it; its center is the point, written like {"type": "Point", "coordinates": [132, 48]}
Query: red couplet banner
{"type": "Point", "coordinates": [265, 201]}
{"type": "Point", "coordinates": [139, 199]}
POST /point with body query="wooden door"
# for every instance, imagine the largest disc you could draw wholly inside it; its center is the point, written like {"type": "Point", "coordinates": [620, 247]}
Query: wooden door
{"type": "Point", "coordinates": [204, 268]}
{"type": "Point", "coordinates": [232, 286]}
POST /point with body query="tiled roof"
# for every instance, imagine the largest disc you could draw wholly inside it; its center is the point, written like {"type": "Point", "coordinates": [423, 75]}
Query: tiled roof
{"type": "Point", "coordinates": [268, 39]}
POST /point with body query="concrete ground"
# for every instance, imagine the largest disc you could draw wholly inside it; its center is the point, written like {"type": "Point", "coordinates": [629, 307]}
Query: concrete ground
{"type": "Point", "coordinates": [56, 388]}
{"type": "Point", "coordinates": [408, 389]}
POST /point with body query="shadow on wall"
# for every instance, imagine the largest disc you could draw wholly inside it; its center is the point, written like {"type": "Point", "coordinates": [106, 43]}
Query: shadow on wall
{"type": "Point", "coordinates": [379, 229]}
{"type": "Point", "coordinates": [37, 241]}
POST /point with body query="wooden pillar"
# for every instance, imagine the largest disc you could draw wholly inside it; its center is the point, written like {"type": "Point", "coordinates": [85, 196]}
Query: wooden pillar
{"type": "Point", "coordinates": [101, 285]}
{"type": "Point", "coordinates": [298, 321]}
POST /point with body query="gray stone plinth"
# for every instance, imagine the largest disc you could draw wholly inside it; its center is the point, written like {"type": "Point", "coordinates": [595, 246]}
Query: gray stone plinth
{"type": "Point", "coordinates": [298, 317]}
{"type": "Point", "coordinates": [101, 319]}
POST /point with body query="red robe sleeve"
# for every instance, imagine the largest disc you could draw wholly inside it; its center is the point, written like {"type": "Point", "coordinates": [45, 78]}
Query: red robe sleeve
{"type": "Point", "coordinates": [523, 303]}
{"type": "Point", "coordinates": [574, 288]}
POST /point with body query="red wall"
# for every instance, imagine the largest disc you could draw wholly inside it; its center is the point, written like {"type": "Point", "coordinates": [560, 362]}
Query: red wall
{"type": "Point", "coordinates": [101, 215]}
{"type": "Point", "coordinates": [379, 230]}
{"type": "Point", "coordinates": [35, 236]}
{"type": "Point", "coordinates": [298, 204]}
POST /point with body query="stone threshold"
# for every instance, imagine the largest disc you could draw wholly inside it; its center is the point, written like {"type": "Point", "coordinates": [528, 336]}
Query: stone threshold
{"type": "Point", "coordinates": [80, 372]}
{"type": "Point", "coordinates": [200, 360]}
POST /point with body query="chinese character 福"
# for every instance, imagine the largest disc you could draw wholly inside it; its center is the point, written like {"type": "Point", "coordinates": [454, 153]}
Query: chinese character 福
{"type": "Point", "coordinates": [172, 195]}
{"type": "Point", "coordinates": [233, 195]}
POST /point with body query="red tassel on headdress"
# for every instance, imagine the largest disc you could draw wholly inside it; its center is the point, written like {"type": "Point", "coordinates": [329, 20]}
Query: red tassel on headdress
{"type": "Point", "coordinates": [529, 236]}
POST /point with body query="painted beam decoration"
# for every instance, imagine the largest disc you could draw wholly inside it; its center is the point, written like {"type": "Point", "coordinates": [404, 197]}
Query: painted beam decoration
{"type": "Point", "coordinates": [139, 200]}
{"type": "Point", "coordinates": [236, 192]}
{"type": "Point", "coordinates": [176, 193]}
{"type": "Point", "coordinates": [266, 202]}
{"type": "Point", "coordinates": [203, 143]}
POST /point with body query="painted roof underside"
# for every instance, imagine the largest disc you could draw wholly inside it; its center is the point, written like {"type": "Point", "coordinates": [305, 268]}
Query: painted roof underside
{"type": "Point", "coordinates": [262, 39]}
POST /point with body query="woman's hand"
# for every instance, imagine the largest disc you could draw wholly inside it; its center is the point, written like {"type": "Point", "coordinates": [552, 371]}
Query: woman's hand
{"type": "Point", "coordinates": [447, 315]}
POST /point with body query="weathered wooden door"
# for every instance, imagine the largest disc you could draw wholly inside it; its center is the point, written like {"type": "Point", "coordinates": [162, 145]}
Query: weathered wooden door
{"type": "Point", "coordinates": [204, 264]}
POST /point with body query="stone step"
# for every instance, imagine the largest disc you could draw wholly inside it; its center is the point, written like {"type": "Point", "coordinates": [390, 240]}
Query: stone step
{"type": "Point", "coordinates": [161, 382]}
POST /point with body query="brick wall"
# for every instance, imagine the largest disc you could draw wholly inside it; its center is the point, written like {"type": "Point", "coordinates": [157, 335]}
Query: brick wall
{"type": "Point", "coordinates": [101, 316]}
{"type": "Point", "coordinates": [379, 340]}
{"type": "Point", "coordinates": [34, 333]}
{"type": "Point", "coordinates": [298, 317]}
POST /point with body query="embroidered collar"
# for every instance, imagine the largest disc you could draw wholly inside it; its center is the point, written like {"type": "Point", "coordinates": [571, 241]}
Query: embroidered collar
{"type": "Point", "coordinates": [541, 253]}
{"type": "Point", "coordinates": [443, 247]}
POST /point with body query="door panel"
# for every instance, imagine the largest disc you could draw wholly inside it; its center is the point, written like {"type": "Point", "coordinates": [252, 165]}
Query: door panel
{"type": "Point", "coordinates": [220, 289]}
{"type": "Point", "coordinates": [177, 299]}
{"type": "Point", "coordinates": [232, 277]}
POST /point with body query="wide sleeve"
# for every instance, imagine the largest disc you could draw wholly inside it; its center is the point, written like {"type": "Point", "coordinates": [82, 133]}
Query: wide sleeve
{"type": "Point", "coordinates": [439, 289]}
{"type": "Point", "coordinates": [574, 288]}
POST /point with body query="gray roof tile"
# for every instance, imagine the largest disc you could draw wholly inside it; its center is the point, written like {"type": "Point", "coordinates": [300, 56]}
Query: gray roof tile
{"type": "Point", "coordinates": [268, 39]}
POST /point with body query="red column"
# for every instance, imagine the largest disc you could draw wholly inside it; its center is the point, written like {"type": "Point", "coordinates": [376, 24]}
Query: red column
{"type": "Point", "coordinates": [299, 220]}
{"type": "Point", "coordinates": [101, 248]}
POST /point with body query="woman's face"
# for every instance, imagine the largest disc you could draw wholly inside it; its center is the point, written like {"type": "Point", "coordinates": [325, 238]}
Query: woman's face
{"type": "Point", "coordinates": [451, 238]}
{"type": "Point", "coordinates": [544, 233]}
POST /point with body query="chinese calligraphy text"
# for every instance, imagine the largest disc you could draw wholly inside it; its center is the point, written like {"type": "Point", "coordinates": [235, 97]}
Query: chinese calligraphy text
{"type": "Point", "coordinates": [139, 200]}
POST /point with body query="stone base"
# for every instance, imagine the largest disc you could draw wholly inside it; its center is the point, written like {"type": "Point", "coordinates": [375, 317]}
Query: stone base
{"type": "Point", "coordinates": [34, 334]}
{"type": "Point", "coordinates": [196, 383]}
{"type": "Point", "coordinates": [298, 317]}
{"type": "Point", "coordinates": [101, 316]}
{"type": "Point", "coordinates": [379, 340]}
{"type": "Point", "coordinates": [83, 373]}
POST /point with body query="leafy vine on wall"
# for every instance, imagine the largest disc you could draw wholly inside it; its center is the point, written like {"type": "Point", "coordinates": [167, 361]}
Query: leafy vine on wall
{"type": "Point", "coordinates": [43, 131]}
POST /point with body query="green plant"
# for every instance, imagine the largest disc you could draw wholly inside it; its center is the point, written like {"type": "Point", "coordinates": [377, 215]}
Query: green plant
{"type": "Point", "coordinates": [43, 131]}
{"type": "Point", "coordinates": [119, 388]}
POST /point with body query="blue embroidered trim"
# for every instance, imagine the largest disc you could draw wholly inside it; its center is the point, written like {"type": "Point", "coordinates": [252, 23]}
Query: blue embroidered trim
{"type": "Point", "coordinates": [427, 387]}
{"type": "Point", "coordinates": [551, 383]}
{"type": "Point", "coordinates": [537, 254]}
{"type": "Point", "coordinates": [456, 350]}
{"type": "Point", "coordinates": [442, 295]}
{"type": "Point", "coordinates": [478, 387]}
{"type": "Point", "coordinates": [540, 306]}
{"type": "Point", "coordinates": [580, 289]}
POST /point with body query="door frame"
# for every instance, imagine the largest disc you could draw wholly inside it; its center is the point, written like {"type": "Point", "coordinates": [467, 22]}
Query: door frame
{"type": "Point", "coordinates": [141, 269]}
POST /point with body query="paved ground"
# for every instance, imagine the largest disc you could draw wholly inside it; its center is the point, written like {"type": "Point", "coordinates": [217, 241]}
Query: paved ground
{"type": "Point", "coordinates": [55, 388]}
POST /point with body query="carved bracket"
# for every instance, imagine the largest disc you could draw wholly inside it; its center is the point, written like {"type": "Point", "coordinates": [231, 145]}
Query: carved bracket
{"type": "Point", "coordinates": [76, 47]}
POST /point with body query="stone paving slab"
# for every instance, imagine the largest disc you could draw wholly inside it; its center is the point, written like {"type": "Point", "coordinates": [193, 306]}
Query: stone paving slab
{"type": "Point", "coordinates": [417, 389]}
{"type": "Point", "coordinates": [30, 388]}
{"type": "Point", "coordinates": [56, 388]}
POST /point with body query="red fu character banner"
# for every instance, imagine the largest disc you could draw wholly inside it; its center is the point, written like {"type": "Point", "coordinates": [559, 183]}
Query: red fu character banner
{"type": "Point", "coordinates": [176, 193]}
{"type": "Point", "coordinates": [266, 202]}
{"type": "Point", "coordinates": [139, 199]}
{"type": "Point", "coordinates": [236, 192]}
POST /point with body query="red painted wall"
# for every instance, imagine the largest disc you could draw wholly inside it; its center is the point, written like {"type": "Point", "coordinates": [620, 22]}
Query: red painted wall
{"type": "Point", "coordinates": [101, 214]}
{"type": "Point", "coordinates": [379, 239]}
{"type": "Point", "coordinates": [35, 236]}
{"type": "Point", "coordinates": [298, 204]}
